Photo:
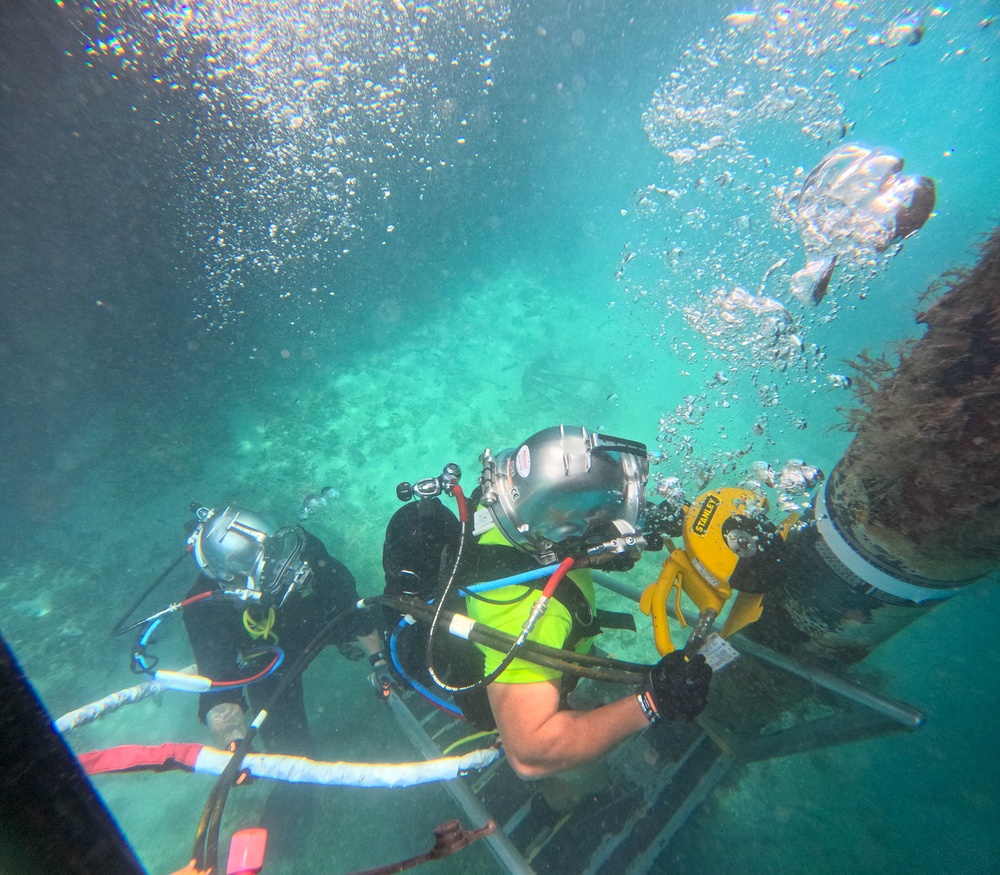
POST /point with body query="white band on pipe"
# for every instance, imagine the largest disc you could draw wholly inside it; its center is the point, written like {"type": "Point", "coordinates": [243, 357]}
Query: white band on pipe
{"type": "Point", "coordinates": [461, 626]}
{"type": "Point", "coordinates": [869, 574]}
{"type": "Point", "coordinates": [300, 770]}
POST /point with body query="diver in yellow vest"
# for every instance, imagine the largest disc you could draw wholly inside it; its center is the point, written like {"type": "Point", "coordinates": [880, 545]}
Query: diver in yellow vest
{"type": "Point", "coordinates": [566, 500]}
{"type": "Point", "coordinates": [567, 492]}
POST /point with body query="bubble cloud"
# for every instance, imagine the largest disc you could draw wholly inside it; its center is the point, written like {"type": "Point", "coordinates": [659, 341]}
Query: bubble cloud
{"type": "Point", "coordinates": [856, 201]}
{"type": "Point", "coordinates": [309, 113]}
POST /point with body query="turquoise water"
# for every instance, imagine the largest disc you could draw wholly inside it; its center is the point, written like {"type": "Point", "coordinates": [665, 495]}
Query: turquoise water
{"type": "Point", "coordinates": [224, 282]}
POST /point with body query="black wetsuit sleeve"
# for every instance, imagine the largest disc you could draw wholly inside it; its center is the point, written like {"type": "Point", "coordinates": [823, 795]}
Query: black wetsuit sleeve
{"type": "Point", "coordinates": [213, 628]}
{"type": "Point", "coordinates": [337, 591]}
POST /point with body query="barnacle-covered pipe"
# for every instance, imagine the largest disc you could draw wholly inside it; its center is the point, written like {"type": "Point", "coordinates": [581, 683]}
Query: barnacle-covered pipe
{"type": "Point", "coordinates": [911, 513]}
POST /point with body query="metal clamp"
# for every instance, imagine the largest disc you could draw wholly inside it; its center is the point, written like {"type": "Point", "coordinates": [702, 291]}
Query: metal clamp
{"type": "Point", "coordinates": [628, 541]}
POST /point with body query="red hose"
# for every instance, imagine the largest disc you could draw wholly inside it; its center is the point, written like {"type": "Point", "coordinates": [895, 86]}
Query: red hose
{"type": "Point", "coordinates": [216, 685]}
{"type": "Point", "coordinates": [463, 507]}
{"type": "Point", "coordinates": [557, 576]}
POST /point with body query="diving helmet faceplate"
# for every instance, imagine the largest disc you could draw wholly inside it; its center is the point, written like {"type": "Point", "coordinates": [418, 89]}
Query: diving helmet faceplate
{"type": "Point", "coordinates": [284, 570]}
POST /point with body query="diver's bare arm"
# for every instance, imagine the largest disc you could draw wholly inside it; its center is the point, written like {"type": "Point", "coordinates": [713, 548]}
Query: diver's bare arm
{"type": "Point", "coordinates": [227, 722]}
{"type": "Point", "coordinates": [371, 643]}
{"type": "Point", "coordinates": [540, 739]}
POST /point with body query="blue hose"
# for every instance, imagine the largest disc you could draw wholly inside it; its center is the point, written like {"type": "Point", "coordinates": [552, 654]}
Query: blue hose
{"type": "Point", "coordinates": [513, 580]}
{"type": "Point", "coordinates": [139, 656]}
{"type": "Point", "coordinates": [443, 704]}
{"type": "Point", "coordinates": [149, 668]}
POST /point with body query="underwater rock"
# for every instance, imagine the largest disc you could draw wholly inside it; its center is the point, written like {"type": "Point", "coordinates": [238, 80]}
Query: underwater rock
{"type": "Point", "coordinates": [34, 608]}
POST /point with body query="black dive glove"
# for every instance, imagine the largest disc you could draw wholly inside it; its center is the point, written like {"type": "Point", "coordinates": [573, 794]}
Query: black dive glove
{"type": "Point", "coordinates": [677, 688]}
{"type": "Point", "coordinates": [383, 678]}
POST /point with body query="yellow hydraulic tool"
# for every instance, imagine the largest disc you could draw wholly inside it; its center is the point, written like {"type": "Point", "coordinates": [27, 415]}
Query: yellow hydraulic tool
{"type": "Point", "coordinates": [721, 528]}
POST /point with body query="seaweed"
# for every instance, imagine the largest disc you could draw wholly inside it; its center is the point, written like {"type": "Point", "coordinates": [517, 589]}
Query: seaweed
{"type": "Point", "coordinates": [924, 459]}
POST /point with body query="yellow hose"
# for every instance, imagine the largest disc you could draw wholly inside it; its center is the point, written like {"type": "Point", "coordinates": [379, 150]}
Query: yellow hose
{"type": "Point", "coordinates": [467, 739]}
{"type": "Point", "coordinates": [260, 629]}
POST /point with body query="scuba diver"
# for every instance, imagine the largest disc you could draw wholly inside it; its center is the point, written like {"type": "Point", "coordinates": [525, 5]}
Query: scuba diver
{"type": "Point", "coordinates": [290, 587]}
{"type": "Point", "coordinates": [565, 500]}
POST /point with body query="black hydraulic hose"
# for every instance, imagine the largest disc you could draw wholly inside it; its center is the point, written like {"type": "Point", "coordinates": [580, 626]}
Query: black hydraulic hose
{"type": "Point", "coordinates": [463, 518]}
{"type": "Point", "coordinates": [120, 628]}
{"type": "Point", "coordinates": [206, 842]}
{"type": "Point", "coordinates": [412, 605]}
{"type": "Point", "coordinates": [552, 657]}
{"type": "Point", "coordinates": [567, 661]}
{"type": "Point", "coordinates": [511, 652]}
{"type": "Point", "coordinates": [517, 644]}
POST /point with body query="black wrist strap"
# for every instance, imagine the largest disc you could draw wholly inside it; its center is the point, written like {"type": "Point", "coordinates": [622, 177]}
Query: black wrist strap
{"type": "Point", "coordinates": [377, 658]}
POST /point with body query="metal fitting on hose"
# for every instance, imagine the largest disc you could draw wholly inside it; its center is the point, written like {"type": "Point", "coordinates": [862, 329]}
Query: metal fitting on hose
{"type": "Point", "coordinates": [430, 487]}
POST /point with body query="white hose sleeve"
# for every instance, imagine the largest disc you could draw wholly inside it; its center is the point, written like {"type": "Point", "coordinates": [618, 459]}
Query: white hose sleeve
{"type": "Point", "coordinates": [111, 703]}
{"type": "Point", "coordinates": [300, 770]}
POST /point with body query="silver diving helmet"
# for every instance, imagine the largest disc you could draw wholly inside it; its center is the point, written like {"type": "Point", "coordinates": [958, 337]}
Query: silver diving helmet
{"type": "Point", "coordinates": [565, 490]}
{"type": "Point", "coordinates": [239, 545]}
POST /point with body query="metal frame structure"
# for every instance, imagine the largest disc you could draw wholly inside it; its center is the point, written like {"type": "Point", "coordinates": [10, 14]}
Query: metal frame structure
{"type": "Point", "coordinates": [657, 779]}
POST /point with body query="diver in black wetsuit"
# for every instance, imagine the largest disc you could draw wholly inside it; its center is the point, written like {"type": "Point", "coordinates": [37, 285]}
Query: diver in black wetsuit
{"type": "Point", "coordinates": [421, 540]}
{"type": "Point", "coordinates": [295, 589]}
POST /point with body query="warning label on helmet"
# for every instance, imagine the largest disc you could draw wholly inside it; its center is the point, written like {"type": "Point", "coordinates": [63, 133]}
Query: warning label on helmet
{"type": "Point", "coordinates": [523, 461]}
